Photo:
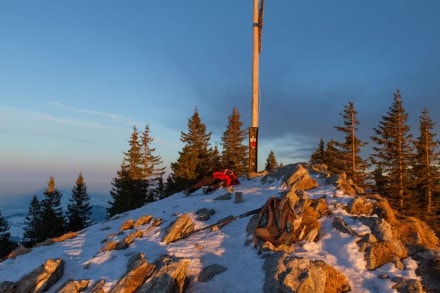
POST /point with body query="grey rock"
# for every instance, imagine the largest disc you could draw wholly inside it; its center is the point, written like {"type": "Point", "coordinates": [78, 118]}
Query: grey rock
{"type": "Point", "coordinates": [169, 277]}
{"type": "Point", "coordinates": [210, 271]}
{"type": "Point", "coordinates": [204, 214]}
{"type": "Point", "coordinates": [340, 225]}
{"type": "Point", "coordinates": [287, 273]}
{"type": "Point", "coordinates": [42, 278]}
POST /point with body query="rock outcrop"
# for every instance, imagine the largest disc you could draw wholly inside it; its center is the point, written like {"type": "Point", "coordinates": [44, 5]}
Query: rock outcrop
{"type": "Point", "coordinates": [345, 184]}
{"type": "Point", "coordinates": [40, 279]}
{"type": "Point", "coordinates": [300, 179]}
{"type": "Point", "coordinates": [210, 272]}
{"type": "Point", "coordinates": [287, 273]}
{"type": "Point", "coordinates": [179, 228]}
{"type": "Point", "coordinates": [169, 276]}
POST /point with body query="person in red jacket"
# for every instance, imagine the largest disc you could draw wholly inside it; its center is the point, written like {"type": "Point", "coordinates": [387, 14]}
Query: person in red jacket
{"type": "Point", "coordinates": [219, 178]}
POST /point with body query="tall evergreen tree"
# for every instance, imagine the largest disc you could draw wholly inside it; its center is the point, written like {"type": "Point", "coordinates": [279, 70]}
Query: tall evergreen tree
{"type": "Point", "coordinates": [79, 211]}
{"type": "Point", "coordinates": [426, 168]}
{"type": "Point", "coordinates": [33, 224]}
{"type": "Point", "coordinates": [394, 152]}
{"type": "Point", "coordinates": [271, 162]}
{"type": "Point", "coordinates": [133, 161]}
{"type": "Point", "coordinates": [351, 162]}
{"type": "Point", "coordinates": [194, 160]}
{"type": "Point", "coordinates": [235, 152]}
{"type": "Point", "coordinates": [51, 211]}
{"type": "Point", "coordinates": [129, 188]}
{"type": "Point", "coordinates": [318, 155]}
{"type": "Point", "coordinates": [152, 171]}
{"type": "Point", "coordinates": [5, 235]}
{"type": "Point", "coordinates": [122, 200]}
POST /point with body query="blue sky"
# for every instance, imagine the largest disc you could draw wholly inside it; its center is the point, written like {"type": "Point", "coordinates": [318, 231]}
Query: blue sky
{"type": "Point", "coordinates": [75, 76]}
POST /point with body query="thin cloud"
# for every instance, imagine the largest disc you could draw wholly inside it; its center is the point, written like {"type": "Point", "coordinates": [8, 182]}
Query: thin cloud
{"type": "Point", "coordinates": [98, 113]}
{"type": "Point", "coordinates": [65, 121]}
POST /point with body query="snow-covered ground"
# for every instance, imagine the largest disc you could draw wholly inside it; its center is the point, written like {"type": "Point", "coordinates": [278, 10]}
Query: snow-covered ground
{"type": "Point", "coordinates": [225, 247]}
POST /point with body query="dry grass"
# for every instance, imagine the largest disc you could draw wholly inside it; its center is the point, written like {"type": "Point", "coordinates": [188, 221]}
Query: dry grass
{"type": "Point", "coordinates": [309, 223]}
{"type": "Point", "coordinates": [383, 209]}
{"type": "Point", "coordinates": [416, 232]}
{"type": "Point", "coordinates": [360, 206]}
{"type": "Point", "coordinates": [384, 252]}
{"type": "Point", "coordinates": [336, 282]}
{"type": "Point", "coordinates": [65, 237]}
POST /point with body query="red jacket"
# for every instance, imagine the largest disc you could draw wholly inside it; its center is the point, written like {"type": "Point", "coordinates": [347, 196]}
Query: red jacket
{"type": "Point", "coordinates": [228, 178]}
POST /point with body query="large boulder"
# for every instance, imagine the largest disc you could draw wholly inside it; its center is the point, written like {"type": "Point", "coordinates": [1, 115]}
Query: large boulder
{"type": "Point", "coordinates": [288, 273]}
{"type": "Point", "coordinates": [344, 184]}
{"type": "Point", "coordinates": [300, 179]}
{"type": "Point", "coordinates": [73, 286]}
{"type": "Point", "coordinates": [293, 176]}
{"type": "Point", "coordinates": [138, 271]}
{"type": "Point", "coordinates": [169, 277]}
{"type": "Point", "coordinates": [379, 227]}
{"type": "Point", "coordinates": [178, 229]}
{"type": "Point", "coordinates": [382, 252]}
{"type": "Point", "coordinates": [42, 278]}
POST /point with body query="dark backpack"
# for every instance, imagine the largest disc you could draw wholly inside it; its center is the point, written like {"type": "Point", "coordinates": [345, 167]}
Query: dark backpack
{"type": "Point", "coordinates": [275, 222]}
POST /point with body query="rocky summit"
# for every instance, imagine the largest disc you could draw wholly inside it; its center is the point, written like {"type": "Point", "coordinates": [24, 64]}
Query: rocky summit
{"type": "Point", "coordinates": [345, 240]}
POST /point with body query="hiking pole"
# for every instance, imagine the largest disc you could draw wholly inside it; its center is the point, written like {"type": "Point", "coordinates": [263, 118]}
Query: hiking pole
{"type": "Point", "coordinates": [219, 224]}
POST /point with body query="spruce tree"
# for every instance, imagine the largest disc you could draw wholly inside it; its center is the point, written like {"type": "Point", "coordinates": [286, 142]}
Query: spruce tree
{"type": "Point", "coordinates": [426, 169]}
{"type": "Point", "coordinates": [194, 161]}
{"type": "Point", "coordinates": [318, 155]}
{"type": "Point", "coordinates": [129, 187]}
{"type": "Point", "coordinates": [333, 158]}
{"type": "Point", "coordinates": [235, 152]}
{"type": "Point", "coordinates": [351, 162]}
{"type": "Point", "coordinates": [79, 211]}
{"type": "Point", "coordinates": [152, 172]}
{"type": "Point", "coordinates": [120, 193]}
{"type": "Point", "coordinates": [33, 224]}
{"type": "Point", "coordinates": [51, 212]}
{"type": "Point", "coordinates": [5, 242]}
{"type": "Point", "coordinates": [393, 153]}
{"type": "Point", "coordinates": [271, 162]}
{"type": "Point", "coordinates": [133, 160]}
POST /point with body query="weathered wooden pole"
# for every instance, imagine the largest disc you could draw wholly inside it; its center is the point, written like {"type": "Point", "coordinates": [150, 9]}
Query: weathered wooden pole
{"type": "Point", "coordinates": [253, 130]}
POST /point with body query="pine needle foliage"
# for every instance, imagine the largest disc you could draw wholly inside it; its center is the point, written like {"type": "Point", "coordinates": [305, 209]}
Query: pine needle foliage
{"type": "Point", "coordinates": [393, 154]}
{"type": "Point", "coordinates": [426, 171]}
{"type": "Point", "coordinates": [33, 224]}
{"type": "Point", "coordinates": [271, 162]}
{"type": "Point", "coordinates": [79, 211]}
{"type": "Point", "coordinates": [5, 243]}
{"type": "Point", "coordinates": [332, 157]}
{"type": "Point", "coordinates": [235, 151]}
{"type": "Point", "coordinates": [152, 170]}
{"type": "Point", "coordinates": [139, 179]}
{"type": "Point", "coordinates": [349, 155]}
{"type": "Point", "coordinates": [51, 212]}
{"type": "Point", "coordinates": [194, 161]}
{"type": "Point", "coordinates": [318, 155]}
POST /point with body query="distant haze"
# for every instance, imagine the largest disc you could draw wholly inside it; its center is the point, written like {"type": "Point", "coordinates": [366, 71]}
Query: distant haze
{"type": "Point", "coordinates": [11, 191]}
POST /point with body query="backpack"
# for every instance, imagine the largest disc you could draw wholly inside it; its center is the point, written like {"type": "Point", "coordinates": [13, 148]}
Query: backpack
{"type": "Point", "coordinates": [276, 222]}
